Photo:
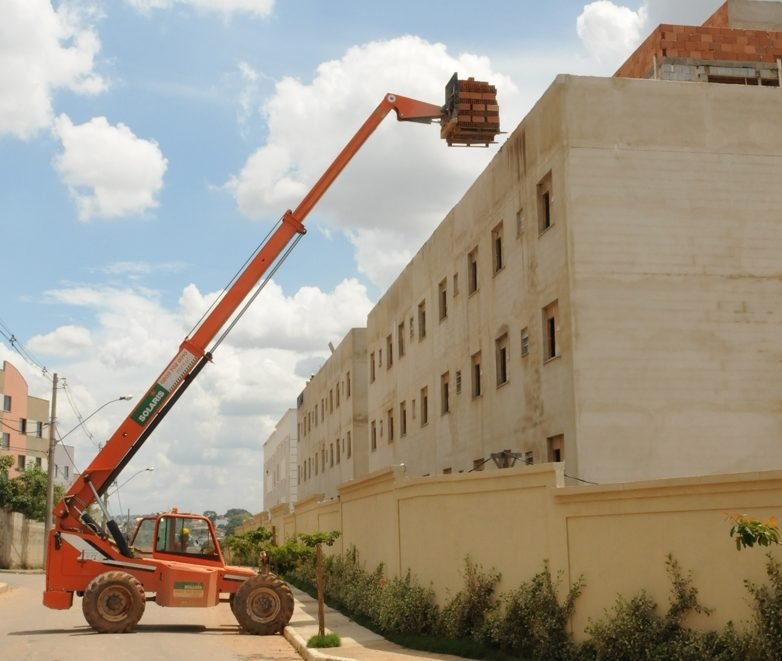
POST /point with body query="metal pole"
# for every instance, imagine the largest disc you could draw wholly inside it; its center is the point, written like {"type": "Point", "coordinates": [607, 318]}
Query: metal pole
{"type": "Point", "coordinates": [50, 470]}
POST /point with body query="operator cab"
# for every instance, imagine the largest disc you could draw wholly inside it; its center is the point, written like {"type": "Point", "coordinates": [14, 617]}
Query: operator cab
{"type": "Point", "coordinates": [187, 537]}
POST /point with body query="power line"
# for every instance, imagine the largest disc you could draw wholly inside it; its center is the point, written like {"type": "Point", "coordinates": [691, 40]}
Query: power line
{"type": "Point", "coordinates": [14, 343]}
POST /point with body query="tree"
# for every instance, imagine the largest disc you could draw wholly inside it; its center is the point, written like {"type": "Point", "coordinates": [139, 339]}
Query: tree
{"type": "Point", "coordinates": [26, 493]}
{"type": "Point", "coordinates": [246, 548]}
{"type": "Point", "coordinates": [236, 517]}
{"type": "Point", "coordinates": [211, 515]}
{"type": "Point", "coordinates": [316, 541]}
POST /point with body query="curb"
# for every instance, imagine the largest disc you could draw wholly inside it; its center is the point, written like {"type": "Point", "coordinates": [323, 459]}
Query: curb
{"type": "Point", "coordinates": [307, 653]}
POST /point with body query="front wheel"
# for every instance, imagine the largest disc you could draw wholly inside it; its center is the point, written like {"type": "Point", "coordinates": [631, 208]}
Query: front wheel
{"type": "Point", "coordinates": [263, 605]}
{"type": "Point", "coordinates": [113, 602]}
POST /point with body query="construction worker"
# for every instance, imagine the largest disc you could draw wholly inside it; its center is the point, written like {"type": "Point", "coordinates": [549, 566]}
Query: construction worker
{"type": "Point", "coordinates": [184, 539]}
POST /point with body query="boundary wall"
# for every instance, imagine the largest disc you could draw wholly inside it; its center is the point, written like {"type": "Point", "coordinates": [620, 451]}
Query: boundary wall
{"type": "Point", "coordinates": [513, 520]}
{"type": "Point", "coordinates": [21, 542]}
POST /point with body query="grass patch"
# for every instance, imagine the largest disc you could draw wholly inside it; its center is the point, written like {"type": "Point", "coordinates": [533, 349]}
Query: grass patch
{"type": "Point", "coordinates": [326, 640]}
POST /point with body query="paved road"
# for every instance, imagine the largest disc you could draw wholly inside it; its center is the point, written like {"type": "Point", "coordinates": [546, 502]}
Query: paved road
{"type": "Point", "coordinates": [30, 631]}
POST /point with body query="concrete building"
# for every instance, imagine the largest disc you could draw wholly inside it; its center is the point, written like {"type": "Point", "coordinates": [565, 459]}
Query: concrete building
{"type": "Point", "coordinates": [280, 463]}
{"type": "Point", "coordinates": [22, 422]}
{"type": "Point", "coordinates": [24, 430]}
{"type": "Point", "coordinates": [332, 420]}
{"type": "Point", "coordinates": [607, 292]}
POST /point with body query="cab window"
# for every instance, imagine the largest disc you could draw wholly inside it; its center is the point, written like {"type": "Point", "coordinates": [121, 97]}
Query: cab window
{"type": "Point", "coordinates": [185, 536]}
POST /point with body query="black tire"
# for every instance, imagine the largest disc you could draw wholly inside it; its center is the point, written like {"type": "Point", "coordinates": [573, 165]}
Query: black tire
{"type": "Point", "coordinates": [263, 605]}
{"type": "Point", "coordinates": [113, 602]}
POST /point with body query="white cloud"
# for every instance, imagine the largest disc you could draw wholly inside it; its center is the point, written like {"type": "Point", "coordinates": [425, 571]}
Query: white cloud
{"type": "Point", "coordinates": [68, 340]}
{"type": "Point", "coordinates": [257, 7]}
{"type": "Point", "coordinates": [612, 31]}
{"type": "Point", "coordinates": [42, 50]}
{"type": "Point", "coordinates": [109, 171]}
{"type": "Point", "coordinates": [401, 183]}
{"type": "Point", "coordinates": [214, 435]}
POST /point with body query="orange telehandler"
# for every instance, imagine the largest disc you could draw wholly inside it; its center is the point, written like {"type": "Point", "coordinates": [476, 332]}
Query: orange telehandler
{"type": "Point", "coordinates": [175, 557]}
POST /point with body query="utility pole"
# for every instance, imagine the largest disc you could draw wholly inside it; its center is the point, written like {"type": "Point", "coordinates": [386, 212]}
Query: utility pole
{"type": "Point", "coordinates": [50, 470]}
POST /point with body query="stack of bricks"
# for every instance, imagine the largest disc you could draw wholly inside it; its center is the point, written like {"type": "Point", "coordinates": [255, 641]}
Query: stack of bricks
{"type": "Point", "coordinates": [472, 116]}
{"type": "Point", "coordinates": [702, 43]}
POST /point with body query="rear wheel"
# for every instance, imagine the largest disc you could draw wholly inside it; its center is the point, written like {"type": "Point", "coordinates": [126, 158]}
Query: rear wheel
{"type": "Point", "coordinates": [113, 602]}
{"type": "Point", "coordinates": [263, 605]}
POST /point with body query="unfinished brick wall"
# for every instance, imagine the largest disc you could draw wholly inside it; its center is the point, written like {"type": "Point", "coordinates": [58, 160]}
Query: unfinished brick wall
{"type": "Point", "coordinates": [702, 43]}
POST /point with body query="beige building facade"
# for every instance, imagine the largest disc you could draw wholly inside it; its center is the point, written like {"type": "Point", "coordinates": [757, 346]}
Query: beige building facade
{"type": "Point", "coordinates": [332, 421]}
{"type": "Point", "coordinates": [280, 463]}
{"type": "Point", "coordinates": [606, 294]}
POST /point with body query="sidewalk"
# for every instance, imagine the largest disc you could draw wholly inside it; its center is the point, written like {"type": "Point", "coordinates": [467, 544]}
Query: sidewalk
{"type": "Point", "coordinates": [357, 642]}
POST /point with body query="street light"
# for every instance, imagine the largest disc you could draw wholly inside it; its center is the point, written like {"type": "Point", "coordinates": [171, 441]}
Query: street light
{"type": "Point", "coordinates": [143, 470]}
{"type": "Point", "coordinates": [53, 440]}
{"type": "Point", "coordinates": [116, 491]}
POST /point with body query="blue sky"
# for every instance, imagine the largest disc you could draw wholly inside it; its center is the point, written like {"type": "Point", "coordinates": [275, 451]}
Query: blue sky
{"type": "Point", "coordinates": [147, 146]}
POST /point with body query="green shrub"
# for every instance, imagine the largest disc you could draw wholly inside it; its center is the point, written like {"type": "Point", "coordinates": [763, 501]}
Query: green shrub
{"type": "Point", "coordinates": [531, 623]}
{"type": "Point", "coordinates": [406, 607]}
{"type": "Point", "coordinates": [635, 630]}
{"type": "Point", "coordinates": [286, 558]}
{"type": "Point", "coordinates": [351, 588]}
{"type": "Point", "coordinates": [768, 611]}
{"type": "Point", "coordinates": [464, 616]}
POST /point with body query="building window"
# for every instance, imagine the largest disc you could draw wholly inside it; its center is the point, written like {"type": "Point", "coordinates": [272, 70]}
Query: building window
{"type": "Point", "coordinates": [20, 462]}
{"type": "Point", "coordinates": [331, 455]}
{"type": "Point", "coordinates": [458, 382]}
{"type": "Point", "coordinates": [6, 402]}
{"type": "Point", "coordinates": [350, 446]}
{"type": "Point", "coordinates": [524, 341]}
{"type": "Point", "coordinates": [400, 332]}
{"type": "Point", "coordinates": [403, 419]}
{"type": "Point", "coordinates": [23, 425]}
{"type": "Point", "coordinates": [390, 418]}
{"type": "Point", "coordinates": [66, 470]}
{"type": "Point", "coordinates": [380, 358]}
{"type": "Point", "coordinates": [5, 441]}
{"type": "Point", "coordinates": [442, 297]}
{"type": "Point", "coordinates": [323, 458]}
{"type": "Point", "coordinates": [347, 385]}
{"type": "Point", "coordinates": [455, 284]}
{"type": "Point", "coordinates": [476, 374]}
{"type": "Point", "coordinates": [422, 320]}
{"type": "Point", "coordinates": [322, 411]}
{"type": "Point", "coordinates": [424, 406]}
{"type": "Point", "coordinates": [39, 429]}
{"type": "Point", "coordinates": [445, 401]}
{"type": "Point", "coordinates": [496, 242]}
{"type": "Point", "coordinates": [339, 452]}
{"type": "Point", "coordinates": [472, 271]}
{"type": "Point", "coordinates": [389, 351]}
{"type": "Point", "coordinates": [337, 389]}
{"type": "Point", "coordinates": [545, 204]}
{"type": "Point", "coordinates": [519, 222]}
{"type": "Point", "coordinates": [556, 447]}
{"type": "Point", "coordinates": [372, 367]}
{"type": "Point", "coordinates": [501, 354]}
{"type": "Point", "coordinates": [412, 331]}
{"type": "Point", "coordinates": [331, 401]}
{"type": "Point", "coordinates": [551, 330]}
{"type": "Point", "coordinates": [373, 435]}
